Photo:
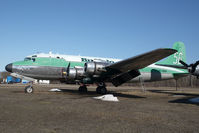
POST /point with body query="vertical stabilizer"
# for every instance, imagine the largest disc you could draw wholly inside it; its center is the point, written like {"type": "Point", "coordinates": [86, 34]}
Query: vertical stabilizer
{"type": "Point", "coordinates": [175, 58]}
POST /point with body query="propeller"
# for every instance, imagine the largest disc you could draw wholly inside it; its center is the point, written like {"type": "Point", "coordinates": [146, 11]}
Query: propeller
{"type": "Point", "coordinates": [65, 71]}
{"type": "Point", "coordinates": [192, 67]}
{"type": "Point", "coordinates": [68, 69]}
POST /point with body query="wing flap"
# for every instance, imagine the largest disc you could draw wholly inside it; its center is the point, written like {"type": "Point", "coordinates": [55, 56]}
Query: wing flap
{"type": "Point", "coordinates": [124, 77]}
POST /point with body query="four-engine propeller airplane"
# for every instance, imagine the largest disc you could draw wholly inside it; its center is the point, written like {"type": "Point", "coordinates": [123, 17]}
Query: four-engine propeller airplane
{"type": "Point", "coordinates": [94, 70]}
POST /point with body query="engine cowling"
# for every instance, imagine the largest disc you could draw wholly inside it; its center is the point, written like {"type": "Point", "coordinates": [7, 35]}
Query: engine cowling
{"type": "Point", "coordinates": [196, 72]}
{"type": "Point", "coordinates": [75, 73]}
{"type": "Point", "coordinates": [95, 68]}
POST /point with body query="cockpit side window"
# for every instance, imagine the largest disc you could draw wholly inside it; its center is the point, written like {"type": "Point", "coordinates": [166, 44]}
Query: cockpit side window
{"type": "Point", "coordinates": [27, 59]}
{"type": "Point", "coordinates": [33, 59]}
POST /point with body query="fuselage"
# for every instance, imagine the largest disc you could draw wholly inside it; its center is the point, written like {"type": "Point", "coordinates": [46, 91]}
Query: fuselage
{"type": "Point", "coordinates": [51, 66]}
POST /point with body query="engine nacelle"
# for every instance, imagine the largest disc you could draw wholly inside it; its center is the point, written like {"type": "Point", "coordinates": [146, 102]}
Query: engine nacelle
{"type": "Point", "coordinates": [75, 73]}
{"type": "Point", "coordinates": [95, 68]}
{"type": "Point", "coordinates": [196, 71]}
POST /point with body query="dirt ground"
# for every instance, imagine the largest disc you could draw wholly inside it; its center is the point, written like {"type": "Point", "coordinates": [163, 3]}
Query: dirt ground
{"type": "Point", "coordinates": [156, 110]}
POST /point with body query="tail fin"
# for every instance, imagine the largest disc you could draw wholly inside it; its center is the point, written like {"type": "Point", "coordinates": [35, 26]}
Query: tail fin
{"type": "Point", "coordinates": [175, 58]}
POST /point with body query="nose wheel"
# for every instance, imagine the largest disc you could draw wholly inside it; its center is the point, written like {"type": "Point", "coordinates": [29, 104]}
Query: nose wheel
{"type": "Point", "coordinates": [29, 89]}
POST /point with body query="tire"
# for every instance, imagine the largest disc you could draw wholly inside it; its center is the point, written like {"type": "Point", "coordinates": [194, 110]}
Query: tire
{"type": "Point", "coordinates": [82, 89]}
{"type": "Point", "coordinates": [29, 89]}
{"type": "Point", "coordinates": [101, 90]}
{"type": "Point", "coordinates": [98, 90]}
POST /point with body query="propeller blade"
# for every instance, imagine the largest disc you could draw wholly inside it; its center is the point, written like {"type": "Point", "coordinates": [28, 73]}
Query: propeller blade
{"type": "Point", "coordinates": [195, 64]}
{"type": "Point", "coordinates": [192, 67]}
{"type": "Point", "coordinates": [68, 69]}
{"type": "Point", "coordinates": [184, 64]}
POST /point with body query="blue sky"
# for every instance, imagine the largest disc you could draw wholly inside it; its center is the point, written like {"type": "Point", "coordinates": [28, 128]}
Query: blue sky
{"type": "Point", "coordinates": [105, 28]}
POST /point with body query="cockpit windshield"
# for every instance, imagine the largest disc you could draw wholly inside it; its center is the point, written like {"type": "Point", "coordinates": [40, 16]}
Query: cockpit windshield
{"type": "Point", "coordinates": [34, 56]}
{"type": "Point", "coordinates": [28, 59]}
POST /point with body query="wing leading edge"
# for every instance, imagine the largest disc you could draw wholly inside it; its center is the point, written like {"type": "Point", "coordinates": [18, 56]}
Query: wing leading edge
{"type": "Point", "coordinates": [141, 61]}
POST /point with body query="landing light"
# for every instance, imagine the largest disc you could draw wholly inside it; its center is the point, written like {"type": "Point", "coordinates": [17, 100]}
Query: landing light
{"type": "Point", "coordinates": [64, 73]}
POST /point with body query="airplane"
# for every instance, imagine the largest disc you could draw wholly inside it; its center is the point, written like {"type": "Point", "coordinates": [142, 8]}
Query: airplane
{"type": "Point", "coordinates": [85, 70]}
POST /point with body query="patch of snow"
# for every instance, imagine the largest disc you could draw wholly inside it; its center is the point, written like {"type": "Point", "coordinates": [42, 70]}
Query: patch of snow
{"type": "Point", "coordinates": [108, 97]}
{"type": "Point", "coordinates": [194, 100]}
{"type": "Point", "coordinates": [55, 90]}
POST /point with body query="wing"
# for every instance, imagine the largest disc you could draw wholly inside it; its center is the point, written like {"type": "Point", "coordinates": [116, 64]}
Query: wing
{"type": "Point", "coordinates": [141, 61]}
{"type": "Point", "coordinates": [128, 69]}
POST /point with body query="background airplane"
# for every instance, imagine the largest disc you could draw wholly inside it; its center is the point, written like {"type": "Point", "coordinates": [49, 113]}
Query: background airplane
{"type": "Point", "coordinates": [95, 70]}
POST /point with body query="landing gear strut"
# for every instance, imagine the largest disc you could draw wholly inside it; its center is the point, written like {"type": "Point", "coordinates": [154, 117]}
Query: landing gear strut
{"type": "Point", "coordinates": [101, 89]}
{"type": "Point", "coordinates": [29, 89]}
{"type": "Point", "coordinates": [82, 88]}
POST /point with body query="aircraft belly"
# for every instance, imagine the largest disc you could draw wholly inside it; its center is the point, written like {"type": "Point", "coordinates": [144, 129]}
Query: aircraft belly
{"type": "Point", "coordinates": [39, 72]}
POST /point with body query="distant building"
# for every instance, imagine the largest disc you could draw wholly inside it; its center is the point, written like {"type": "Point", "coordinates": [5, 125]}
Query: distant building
{"type": "Point", "coordinates": [11, 80]}
{"type": "Point", "coordinates": [3, 76]}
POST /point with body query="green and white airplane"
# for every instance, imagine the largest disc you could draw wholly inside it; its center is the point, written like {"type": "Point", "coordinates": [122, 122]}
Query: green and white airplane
{"type": "Point", "coordinates": [95, 70]}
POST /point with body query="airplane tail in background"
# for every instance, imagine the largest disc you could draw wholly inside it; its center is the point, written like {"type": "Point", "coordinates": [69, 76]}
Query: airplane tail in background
{"type": "Point", "coordinates": [175, 58]}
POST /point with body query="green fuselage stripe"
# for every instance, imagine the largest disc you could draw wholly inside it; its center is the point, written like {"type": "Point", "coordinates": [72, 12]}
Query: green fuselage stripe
{"type": "Point", "coordinates": [50, 62]}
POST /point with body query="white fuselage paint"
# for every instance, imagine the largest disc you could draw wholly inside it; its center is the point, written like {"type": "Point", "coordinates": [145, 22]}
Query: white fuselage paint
{"type": "Point", "coordinates": [74, 58]}
{"type": "Point", "coordinates": [147, 77]}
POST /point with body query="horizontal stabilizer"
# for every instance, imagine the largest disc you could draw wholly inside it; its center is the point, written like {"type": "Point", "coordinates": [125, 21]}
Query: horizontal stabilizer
{"type": "Point", "coordinates": [173, 66]}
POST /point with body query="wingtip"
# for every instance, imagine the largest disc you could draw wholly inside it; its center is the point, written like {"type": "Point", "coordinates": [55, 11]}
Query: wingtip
{"type": "Point", "coordinates": [171, 50]}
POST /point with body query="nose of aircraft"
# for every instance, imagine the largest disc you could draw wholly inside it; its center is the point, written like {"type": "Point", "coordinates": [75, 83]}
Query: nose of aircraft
{"type": "Point", "coordinates": [9, 67]}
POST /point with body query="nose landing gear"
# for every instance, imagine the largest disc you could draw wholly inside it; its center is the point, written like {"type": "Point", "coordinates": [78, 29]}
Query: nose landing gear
{"type": "Point", "coordinates": [29, 89]}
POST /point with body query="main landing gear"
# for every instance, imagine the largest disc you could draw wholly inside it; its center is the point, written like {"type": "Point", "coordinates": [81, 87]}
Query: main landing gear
{"type": "Point", "coordinates": [101, 89]}
{"type": "Point", "coordinates": [82, 88]}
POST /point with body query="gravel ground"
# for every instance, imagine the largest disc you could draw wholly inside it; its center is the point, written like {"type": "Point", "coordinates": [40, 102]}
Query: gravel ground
{"type": "Point", "coordinates": [156, 110]}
